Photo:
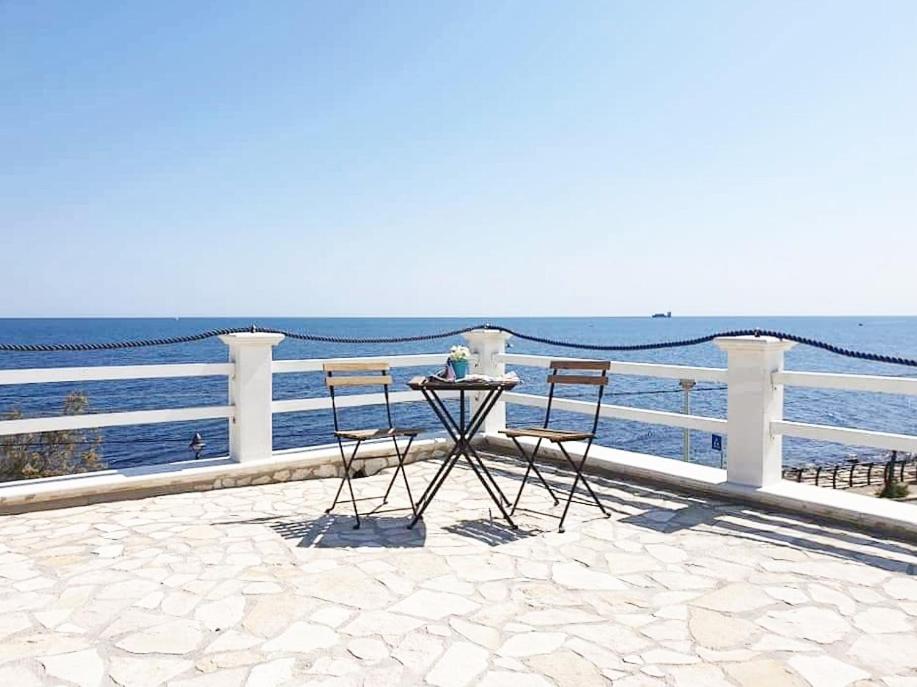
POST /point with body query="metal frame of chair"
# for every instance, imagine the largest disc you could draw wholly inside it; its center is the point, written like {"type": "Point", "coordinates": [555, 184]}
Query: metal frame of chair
{"type": "Point", "coordinates": [560, 437]}
{"type": "Point", "coordinates": [360, 435]}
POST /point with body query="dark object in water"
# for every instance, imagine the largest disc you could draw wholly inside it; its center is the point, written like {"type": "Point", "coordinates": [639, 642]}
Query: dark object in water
{"type": "Point", "coordinates": [662, 315]}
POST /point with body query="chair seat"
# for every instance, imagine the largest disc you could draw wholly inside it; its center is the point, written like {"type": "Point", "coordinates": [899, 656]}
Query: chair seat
{"type": "Point", "coordinates": [555, 435]}
{"type": "Point", "coordinates": [362, 434]}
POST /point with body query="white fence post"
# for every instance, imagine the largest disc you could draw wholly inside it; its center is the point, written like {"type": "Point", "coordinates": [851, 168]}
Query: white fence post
{"type": "Point", "coordinates": [486, 345]}
{"type": "Point", "coordinates": [251, 394]}
{"type": "Point", "coordinates": [754, 454]}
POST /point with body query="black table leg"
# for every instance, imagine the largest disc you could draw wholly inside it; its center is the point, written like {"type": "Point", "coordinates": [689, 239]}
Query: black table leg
{"type": "Point", "coordinates": [462, 433]}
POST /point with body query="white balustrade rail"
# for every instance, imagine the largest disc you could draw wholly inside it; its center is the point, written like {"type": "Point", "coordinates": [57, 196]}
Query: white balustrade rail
{"type": "Point", "coordinates": [351, 400]}
{"type": "Point", "coordinates": [844, 435]}
{"type": "Point", "coordinates": [113, 373]}
{"type": "Point", "coordinates": [755, 379]}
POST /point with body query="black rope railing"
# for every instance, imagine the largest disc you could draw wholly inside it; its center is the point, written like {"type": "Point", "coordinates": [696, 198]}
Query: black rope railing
{"type": "Point", "coordinates": [560, 343]}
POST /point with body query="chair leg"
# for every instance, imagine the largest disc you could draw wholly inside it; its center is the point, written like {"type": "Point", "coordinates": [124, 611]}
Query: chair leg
{"type": "Point", "coordinates": [346, 478]}
{"type": "Point", "coordinates": [579, 476]}
{"type": "Point", "coordinates": [530, 460]}
{"type": "Point", "coordinates": [400, 467]}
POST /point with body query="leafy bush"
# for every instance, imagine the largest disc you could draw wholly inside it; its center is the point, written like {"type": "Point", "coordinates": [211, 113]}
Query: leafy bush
{"type": "Point", "coordinates": [893, 490]}
{"type": "Point", "coordinates": [50, 454]}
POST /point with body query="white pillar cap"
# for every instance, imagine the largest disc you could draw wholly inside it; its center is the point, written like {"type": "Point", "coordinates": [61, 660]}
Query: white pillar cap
{"type": "Point", "coordinates": [752, 343]}
{"type": "Point", "coordinates": [492, 334]}
{"type": "Point", "coordinates": [251, 338]}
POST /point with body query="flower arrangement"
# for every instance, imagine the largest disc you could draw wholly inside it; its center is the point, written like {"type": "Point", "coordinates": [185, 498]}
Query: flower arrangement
{"type": "Point", "coordinates": [458, 353]}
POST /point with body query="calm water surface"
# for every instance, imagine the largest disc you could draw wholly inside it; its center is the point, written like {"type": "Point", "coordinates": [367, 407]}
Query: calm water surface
{"type": "Point", "coordinates": [125, 446]}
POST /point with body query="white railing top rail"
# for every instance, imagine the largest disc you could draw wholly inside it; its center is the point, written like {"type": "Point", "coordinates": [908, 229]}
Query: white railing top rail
{"type": "Point", "coordinates": [94, 420]}
{"type": "Point", "coordinates": [653, 417]}
{"type": "Point", "coordinates": [297, 405]}
{"type": "Point", "coordinates": [102, 373]}
{"type": "Point", "coordinates": [846, 435]}
{"type": "Point", "coordinates": [701, 374]}
{"type": "Point", "coordinates": [315, 364]}
{"type": "Point", "coordinates": [848, 382]}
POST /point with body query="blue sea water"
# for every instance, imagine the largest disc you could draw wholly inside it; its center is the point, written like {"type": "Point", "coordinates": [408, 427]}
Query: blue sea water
{"type": "Point", "coordinates": [149, 444]}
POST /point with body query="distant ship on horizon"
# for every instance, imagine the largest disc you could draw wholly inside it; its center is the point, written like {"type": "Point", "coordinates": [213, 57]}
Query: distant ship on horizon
{"type": "Point", "coordinates": [664, 315]}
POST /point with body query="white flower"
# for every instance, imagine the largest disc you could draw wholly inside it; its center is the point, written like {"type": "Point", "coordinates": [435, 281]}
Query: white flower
{"type": "Point", "coordinates": [459, 353]}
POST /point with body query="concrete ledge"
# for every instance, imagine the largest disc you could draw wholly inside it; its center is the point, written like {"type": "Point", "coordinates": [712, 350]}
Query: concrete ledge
{"type": "Point", "coordinates": [200, 475]}
{"type": "Point", "coordinates": [880, 515]}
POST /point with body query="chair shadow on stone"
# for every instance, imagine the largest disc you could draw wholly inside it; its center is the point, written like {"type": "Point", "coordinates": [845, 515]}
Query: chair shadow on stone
{"type": "Point", "coordinates": [487, 531]}
{"type": "Point", "coordinates": [337, 531]}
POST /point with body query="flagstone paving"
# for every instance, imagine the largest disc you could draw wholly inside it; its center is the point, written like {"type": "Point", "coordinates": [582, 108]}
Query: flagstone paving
{"type": "Point", "coordinates": [257, 586]}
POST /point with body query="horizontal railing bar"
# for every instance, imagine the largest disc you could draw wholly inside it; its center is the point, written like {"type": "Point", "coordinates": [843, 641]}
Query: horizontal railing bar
{"type": "Point", "coordinates": [653, 417]}
{"type": "Point", "coordinates": [97, 420]}
{"type": "Point", "coordinates": [102, 373]}
{"type": "Point", "coordinates": [315, 364]}
{"type": "Point", "coordinates": [701, 374]}
{"type": "Point", "coordinates": [846, 435]}
{"type": "Point", "coordinates": [848, 382]}
{"type": "Point", "coordinates": [296, 405]}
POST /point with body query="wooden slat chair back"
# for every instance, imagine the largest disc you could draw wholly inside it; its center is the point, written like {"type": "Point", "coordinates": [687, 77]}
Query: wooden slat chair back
{"type": "Point", "coordinates": [343, 374]}
{"type": "Point", "coordinates": [564, 372]}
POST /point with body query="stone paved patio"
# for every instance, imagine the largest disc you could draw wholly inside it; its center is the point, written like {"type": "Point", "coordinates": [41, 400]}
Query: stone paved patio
{"type": "Point", "coordinates": [257, 586]}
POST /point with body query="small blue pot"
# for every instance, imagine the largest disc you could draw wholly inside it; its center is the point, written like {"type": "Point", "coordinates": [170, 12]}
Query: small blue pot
{"type": "Point", "coordinates": [460, 367]}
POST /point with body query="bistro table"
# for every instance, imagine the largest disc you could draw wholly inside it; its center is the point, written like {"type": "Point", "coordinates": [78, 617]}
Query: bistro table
{"type": "Point", "coordinates": [462, 432]}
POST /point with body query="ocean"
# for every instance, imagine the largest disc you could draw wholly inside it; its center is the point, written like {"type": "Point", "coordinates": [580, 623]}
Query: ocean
{"type": "Point", "coordinates": [152, 444]}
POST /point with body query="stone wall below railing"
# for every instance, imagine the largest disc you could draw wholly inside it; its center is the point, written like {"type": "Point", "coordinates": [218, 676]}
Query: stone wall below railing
{"type": "Point", "coordinates": [201, 475]}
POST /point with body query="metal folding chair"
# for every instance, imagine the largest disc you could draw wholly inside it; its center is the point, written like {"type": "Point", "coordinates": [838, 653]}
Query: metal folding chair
{"type": "Point", "coordinates": [560, 436]}
{"type": "Point", "coordinates": [360, 435]}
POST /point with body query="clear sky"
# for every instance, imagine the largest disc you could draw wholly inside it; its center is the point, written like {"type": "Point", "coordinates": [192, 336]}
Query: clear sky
{"type": "Point", "coordinates": [458, 158]}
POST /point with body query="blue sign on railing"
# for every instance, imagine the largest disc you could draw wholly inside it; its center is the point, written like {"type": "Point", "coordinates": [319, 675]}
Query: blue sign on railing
{"type": "Point", "coordinates": [716, 442]}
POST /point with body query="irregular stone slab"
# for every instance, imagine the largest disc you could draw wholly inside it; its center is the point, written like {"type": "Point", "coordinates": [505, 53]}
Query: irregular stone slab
{"type": "Point", "coordinates": [368, 649]}
{"type": "Point", "coordinates": [718, 630]}
{"type": "Point", "coordinates": [40, 644]}
{"type": "Point", "coordinates": [567, 669]}
{"type": "Point", "coordinates": [381, 623]}
{"type": "Point", "coordinates": [506, 678]}
{"type": "Point", "coordinates": [332, 616]}
{"type": "Point", "coordinates": [461, 663]}
{"type": "Point", "coordinates": [817, 624]}
{"type": "Point", "coordinates": [271, 674]}
{"type": "Point", "coordinates": [348, 587]}
{"type": "Point", "coordinates": [532, 643]}
{"type": "Point", "coordinates": [559, 616]}
{"type": "Point", "coordinates": [575, 576]}
{"type": "Point", "coordinates": [902, 588]}
{"type": "Point", "coordinates": [882, 620]}
{"type": "Point", "coordinates": [668, 657]}
{"type": "Point", "coordinates": [734, 598]}
{"type": "Point", "coordinates": [768, 671]}
{"type": "Point", "coordinates": [221, 678]}
{"type": "Point", "coordinates": [85, 668]}
{"type": "Point", "coordinates": [889, 653]}
{"type": "Point", "coordinates": [127, 671]}
{"type": "Point", "coordinates": [826, 671]}
{"type": "Point", "coordinates": [626, 563]}
{"type": "Point", "coordinates": [174, 637]}
{"type": "Point", "coordinates": [826, 595]}
{"type": "Point", "coordinates": [222, 614]}
{"type": "Point", "coordinates": [425, 603]}
{"type": "Point", "coordinates": [417, 651]}
{"type": "Point", "coordinates": [303, 637]}
{"type": "Point", "coordinates": [479, 634]}
{"type": "Point", "coordinates": [18, 676]}
{"type": "Point", "coordinates": [697, 676]}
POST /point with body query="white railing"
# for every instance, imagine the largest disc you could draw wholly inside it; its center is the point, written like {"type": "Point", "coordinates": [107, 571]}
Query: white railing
{"type": "Point", "coordinates": [754, 379]}
{"type": "Point", "coordinates": [349, 401]}
{"type": "Point", "coordinates": [844, 435]}
{"type": "Point", "coordinates": [112, 373]}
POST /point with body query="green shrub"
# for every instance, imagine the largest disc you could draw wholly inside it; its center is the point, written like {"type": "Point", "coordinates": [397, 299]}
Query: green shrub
{"type": "Point", "coordinates": [50, 454]}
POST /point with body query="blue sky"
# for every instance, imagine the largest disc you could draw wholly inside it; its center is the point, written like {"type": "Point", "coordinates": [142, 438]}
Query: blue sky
{"type": "Point", "coordinates": [443, 158]}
